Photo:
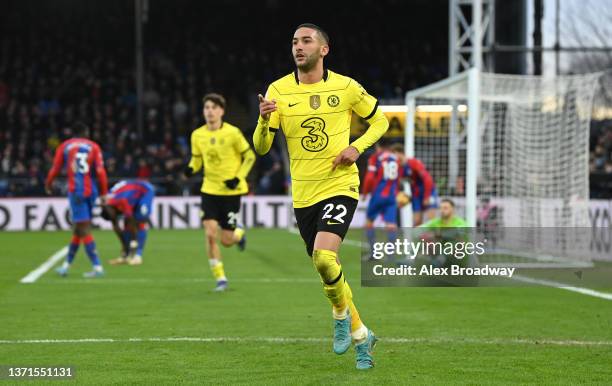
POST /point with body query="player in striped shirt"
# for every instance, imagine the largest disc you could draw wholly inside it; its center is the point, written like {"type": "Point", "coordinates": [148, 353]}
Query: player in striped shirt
{"type": "Point", "coordinates": [422, 186]}
{"type": "Point", "coordinates": [131, 200]}
{"type": "Point", "coordinates": [382, 182]}
{"type": "Point", "coordinates": [87, 179]}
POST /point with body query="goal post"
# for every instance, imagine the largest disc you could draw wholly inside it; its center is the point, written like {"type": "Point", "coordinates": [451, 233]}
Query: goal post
{"type": "Point", "coordinates": [469, 79]}
{"type": "Point", "coordinates": [519, 142]}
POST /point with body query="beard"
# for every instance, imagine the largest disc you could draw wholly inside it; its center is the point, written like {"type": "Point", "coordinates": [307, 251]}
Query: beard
{"type": "Point", "coordinates": [309, 64]}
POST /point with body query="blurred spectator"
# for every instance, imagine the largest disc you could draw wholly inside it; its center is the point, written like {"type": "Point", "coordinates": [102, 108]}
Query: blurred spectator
{"type": "Point", "coordinates": [271, 177]}
{"type": "Point", "coordinates": [144, 171]}
{"type": "Point", "coordinates": [57, 65]}
{"type": "Point", "coordinates": [600, 160]}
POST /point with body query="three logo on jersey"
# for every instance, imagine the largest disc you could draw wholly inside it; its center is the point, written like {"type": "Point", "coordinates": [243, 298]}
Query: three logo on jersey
{"type": "Point", "coordinates": [316, 139]}
{"type": "Point", "coordinates": [212, 155]}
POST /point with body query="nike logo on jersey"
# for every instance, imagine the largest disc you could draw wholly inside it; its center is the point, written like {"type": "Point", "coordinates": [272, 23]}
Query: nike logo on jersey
{"type": "Point", "coordinates": [293, 104]}
{"type": "Point", "coordinates": [333, 223]}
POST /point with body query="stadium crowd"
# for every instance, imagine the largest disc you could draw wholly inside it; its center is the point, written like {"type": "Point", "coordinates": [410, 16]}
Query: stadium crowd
{"type": "Point", "coordinates": [79, 64]}
{"type": "Point", "coordinates": [600, 162]}
{"type": "Point", "coordinates": [54, 70]}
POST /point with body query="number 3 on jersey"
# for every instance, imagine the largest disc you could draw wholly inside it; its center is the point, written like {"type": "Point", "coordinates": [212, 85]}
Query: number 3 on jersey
{"type": "Point", "coordinates": [335, 218]}
{"type": "Point", "coordinates": [316, 139]}
{"type": "Point", "coordinates": [80, 163]}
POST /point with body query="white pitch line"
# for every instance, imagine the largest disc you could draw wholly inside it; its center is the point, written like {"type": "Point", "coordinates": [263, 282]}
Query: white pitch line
{"type": "Point", "coordinates": [146, 280]}
{"type": "Point", "coordinates": [297, 280]}
{"type": "Point", "coordinates": [44, 267]}
{"type": "Point", "coordinates": [38, 272]}
{"type": "Point", "coordinates": [555, 284]}
{"type": "Point", "coordinates": [295, 340]}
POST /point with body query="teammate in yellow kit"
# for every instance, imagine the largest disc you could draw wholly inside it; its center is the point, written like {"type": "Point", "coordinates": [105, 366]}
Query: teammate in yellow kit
{"type": "Point", "coordinates": [226, 157]}
{"type": "Point", "coordinates": [313, 107]}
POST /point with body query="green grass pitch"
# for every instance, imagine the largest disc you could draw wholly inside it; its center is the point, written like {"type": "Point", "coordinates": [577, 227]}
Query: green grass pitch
{"type": "Point", "coordinates": [274, 325]}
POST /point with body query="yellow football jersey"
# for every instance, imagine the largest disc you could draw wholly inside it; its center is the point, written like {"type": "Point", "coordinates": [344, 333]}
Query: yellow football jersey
{"type": "Point", "coordinates": [315, 119]}
{"type": "Point", "coordinates": [220, 152]}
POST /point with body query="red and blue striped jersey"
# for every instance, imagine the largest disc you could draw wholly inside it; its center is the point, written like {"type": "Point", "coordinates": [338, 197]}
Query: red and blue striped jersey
{"type": "Point", "coordinates": [421, 182]}
{"type": "Point", "coordinates": [384, 174]}
{"type": "Point", "coordinates": [126, 195]}
{"type": "Point", "coordinates": [84, 167]}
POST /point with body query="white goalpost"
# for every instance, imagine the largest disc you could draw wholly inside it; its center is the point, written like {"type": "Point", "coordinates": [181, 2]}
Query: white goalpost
{"type": "Point", "coordinates": [520, 142]}
{"type": "Point", "coordinates": [512, 143]}
{"type": "Point", "coordinates": [460, 88]}
{"type": "Point", "coordinates": [510, 150]}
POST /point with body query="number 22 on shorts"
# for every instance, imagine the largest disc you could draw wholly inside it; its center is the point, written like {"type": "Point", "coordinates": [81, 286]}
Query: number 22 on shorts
{"type": "Point", "coordinates": [338, 217]}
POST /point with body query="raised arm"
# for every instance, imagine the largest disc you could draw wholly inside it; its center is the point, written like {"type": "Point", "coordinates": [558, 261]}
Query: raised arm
{"type": "Point", "coordinates": [267, 124]}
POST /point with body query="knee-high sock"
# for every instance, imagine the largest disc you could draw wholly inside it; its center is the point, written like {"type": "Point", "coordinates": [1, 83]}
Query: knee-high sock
{"type": "Point", "coordinates": [216, 267]}
{"type": "Point", "coordinates": [73, 247]}
{"type": "Point", "coordinates": [358, 329]}
{"type": "Point", "coordinates": [141, 237]}
{"type": "Point", "coordinates": [334, 285]}
{"type": "Point", "coordinates": [90, 248]}
{"type": "Point", "coordinates": [355, 319]}
{"type": "Point", "coordinates": [238, 233]}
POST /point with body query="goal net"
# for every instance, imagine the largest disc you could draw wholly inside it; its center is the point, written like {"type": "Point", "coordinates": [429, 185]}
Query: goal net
{"type": "Point", "coordinates": [511, 150]}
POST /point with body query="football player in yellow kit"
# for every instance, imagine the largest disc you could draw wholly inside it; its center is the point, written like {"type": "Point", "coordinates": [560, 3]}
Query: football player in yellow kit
{"type": "Point", "coordinates": [226, 158]}
{"type": "Point", "coordinates": [313, 108]}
